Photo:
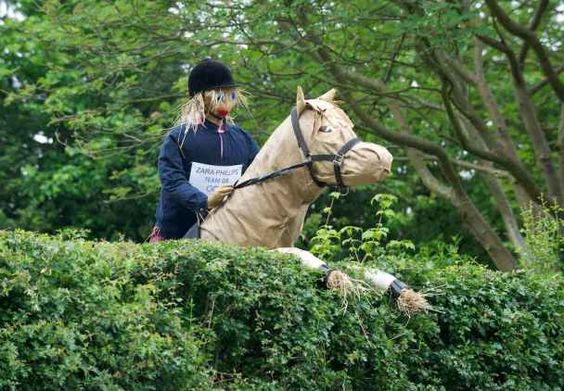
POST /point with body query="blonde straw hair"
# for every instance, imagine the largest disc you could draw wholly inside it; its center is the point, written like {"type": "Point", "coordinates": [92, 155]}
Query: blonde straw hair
{"type": "Point", "coordinates": [193, 112]}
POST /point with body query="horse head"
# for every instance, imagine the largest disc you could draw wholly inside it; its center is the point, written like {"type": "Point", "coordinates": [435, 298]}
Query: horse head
{"type": "Point", "coordinates": [326, 128]}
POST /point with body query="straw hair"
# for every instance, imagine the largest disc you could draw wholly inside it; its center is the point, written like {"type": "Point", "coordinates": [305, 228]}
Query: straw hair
{"type": "Point", "coordinates": [411, 302]}
{"type": "Point", "coordinates": [193, 112]}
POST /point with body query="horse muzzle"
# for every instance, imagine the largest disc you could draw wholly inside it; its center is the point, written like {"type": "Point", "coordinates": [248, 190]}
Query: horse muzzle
{"type": "Point", "coordinates": [366, 163]}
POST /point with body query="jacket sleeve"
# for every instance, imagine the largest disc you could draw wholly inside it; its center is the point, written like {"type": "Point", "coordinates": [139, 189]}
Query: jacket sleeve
{"type": "Point", "coordinates": [253, 148]}
{"type": "Point", "coordinates": [174, 179]}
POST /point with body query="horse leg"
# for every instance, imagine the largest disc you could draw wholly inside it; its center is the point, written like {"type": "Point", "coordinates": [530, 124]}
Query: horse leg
{"type": "Point", "coordinates": [307, 258]}
{"type": "Point", "coordinates": [292, 228]}
{"type": "Point", "coordinates": [408, 300]}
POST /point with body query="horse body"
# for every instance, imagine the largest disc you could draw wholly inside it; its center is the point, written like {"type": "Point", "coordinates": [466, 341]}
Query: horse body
{"type": "Point", "coordinates": [271, 213]}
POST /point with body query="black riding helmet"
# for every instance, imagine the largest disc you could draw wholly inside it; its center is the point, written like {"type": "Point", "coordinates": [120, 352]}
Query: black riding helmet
{"type": "Point", "coordinates": [209, 74]}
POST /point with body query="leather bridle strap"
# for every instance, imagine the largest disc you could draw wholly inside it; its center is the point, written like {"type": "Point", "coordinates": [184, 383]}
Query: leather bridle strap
{"type": "Point", "coordinates": [303, 146]}
{"type": "Point", "coordinates": [339, 158]}
{"type": "Point", "coordinates": [298, 133]}
{"type": "Point", "coordinates": [336, 158]}
{"type": "Point", "coordinates": [270, 175]}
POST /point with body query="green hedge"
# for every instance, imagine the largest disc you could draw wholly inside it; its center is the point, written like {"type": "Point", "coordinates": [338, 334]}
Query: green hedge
{"type": "Point", "coordinates": [189, 315]}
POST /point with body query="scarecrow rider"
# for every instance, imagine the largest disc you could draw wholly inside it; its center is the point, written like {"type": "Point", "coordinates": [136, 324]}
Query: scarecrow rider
{"type": "Point", "coordinates": [202, 157]}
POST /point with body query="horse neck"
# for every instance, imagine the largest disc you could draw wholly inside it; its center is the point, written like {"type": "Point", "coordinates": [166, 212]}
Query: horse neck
{"type": "Point", "coordinates": [281, 150]}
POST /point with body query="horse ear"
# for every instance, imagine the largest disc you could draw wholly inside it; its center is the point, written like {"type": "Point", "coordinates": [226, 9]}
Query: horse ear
{"type": "Point", "coordinates": [329, 96]}
{"type": "Point", "coordinates": [300, 101]}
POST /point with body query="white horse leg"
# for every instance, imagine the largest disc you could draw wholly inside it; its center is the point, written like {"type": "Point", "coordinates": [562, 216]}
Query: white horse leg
{"type": "Point", "coordinates": [384, 281]}
{"type": "Point", "coordinates": [307, 258]}
{"type": "Point", "coordinates": [408, 301]}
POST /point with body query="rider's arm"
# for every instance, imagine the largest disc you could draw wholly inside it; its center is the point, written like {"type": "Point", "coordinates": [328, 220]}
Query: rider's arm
{"type": "Point", "coordinates": [174, 179]}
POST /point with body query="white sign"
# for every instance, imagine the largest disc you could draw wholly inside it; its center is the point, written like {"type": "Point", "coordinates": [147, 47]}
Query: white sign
{"type": "Point", "coordinates": [207, 178]}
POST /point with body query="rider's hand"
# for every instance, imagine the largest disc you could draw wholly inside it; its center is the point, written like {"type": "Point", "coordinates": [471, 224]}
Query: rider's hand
{"type": "Point", "coordinates": [217, 197]}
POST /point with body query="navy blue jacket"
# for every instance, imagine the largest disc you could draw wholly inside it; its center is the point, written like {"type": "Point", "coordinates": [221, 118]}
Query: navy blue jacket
{"type": "Point", "coordinates": [179, 200]}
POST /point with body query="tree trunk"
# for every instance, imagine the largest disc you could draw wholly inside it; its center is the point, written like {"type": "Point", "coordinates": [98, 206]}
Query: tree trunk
{"type": "Point", "coordinates": [490, 103]}
{"type": "Point", "coordinates": [538, 141]}
{"type": "Point", "coordinates": [483, 232]}
{"type": "Point", "coordinates": [470, 215]}
{"type": "Point", "coordinates": [502, 205]}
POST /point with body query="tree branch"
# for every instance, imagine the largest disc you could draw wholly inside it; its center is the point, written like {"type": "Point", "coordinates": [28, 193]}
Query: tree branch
{"type": "Point", "coordinates": [459, 68]}
{"type": "Point", "coordinates": [531, 38]}
{"type": "Point", "coordinates": [535, 22]}
{"type": "Point", "coordinates": [514, 167]}
{"type": "Point", "coordinates": [469, 165]}
{"type": "Point", "coordinates": [561, 143]}
{"type": "Point", "coordinates": [481, 168]}
{"type": "Point", "coordinates": [537, 87]}
{"type": "Point", "coordinates": [532, 124]}
{"type": "Point", "coordinates": [490, 103]}
{"type": "Point", "coordinates": [388, 74]}
{"type": "Point", "coordinates": [502, 47]}
{"type": "Point", "coordinates": [429, 180]}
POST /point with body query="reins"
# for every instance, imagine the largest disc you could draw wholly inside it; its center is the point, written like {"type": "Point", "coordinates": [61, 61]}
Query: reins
{"type": "Point", "coordinates": [336, 158]}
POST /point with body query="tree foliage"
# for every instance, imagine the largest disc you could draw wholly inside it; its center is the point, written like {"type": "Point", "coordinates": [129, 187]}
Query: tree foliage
{"type": "Point", "coordinates": [467, 95]}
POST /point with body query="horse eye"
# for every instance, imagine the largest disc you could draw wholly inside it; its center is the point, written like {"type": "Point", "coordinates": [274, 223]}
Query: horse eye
{"type": "Point", "coordinates": [325, 129]}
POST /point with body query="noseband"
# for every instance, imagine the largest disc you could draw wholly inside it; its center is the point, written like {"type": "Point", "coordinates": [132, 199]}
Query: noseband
{"type": "Point", "coordinates": [336, 158]}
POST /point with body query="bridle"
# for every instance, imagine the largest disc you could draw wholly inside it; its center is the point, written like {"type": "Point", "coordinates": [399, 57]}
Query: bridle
{"type": "Point", "coordinates": [336, 158]}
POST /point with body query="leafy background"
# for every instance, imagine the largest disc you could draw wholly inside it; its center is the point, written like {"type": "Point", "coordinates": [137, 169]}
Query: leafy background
{"type": "Point", "coordinates": [89, 88]}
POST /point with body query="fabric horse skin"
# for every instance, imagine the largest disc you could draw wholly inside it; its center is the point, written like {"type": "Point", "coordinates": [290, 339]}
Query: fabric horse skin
{"type": "Point", "coordinates": [271, 213]}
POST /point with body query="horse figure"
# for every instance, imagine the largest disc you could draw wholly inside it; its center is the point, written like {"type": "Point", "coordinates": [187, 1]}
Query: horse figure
{"type": "Point", "coordinates": [315, 146]}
